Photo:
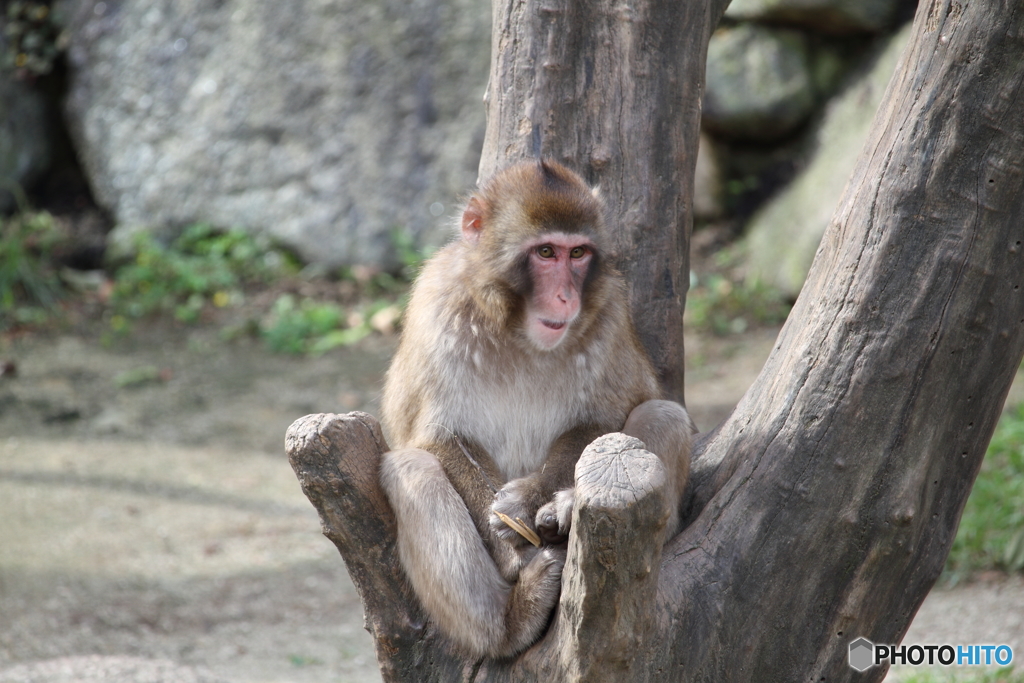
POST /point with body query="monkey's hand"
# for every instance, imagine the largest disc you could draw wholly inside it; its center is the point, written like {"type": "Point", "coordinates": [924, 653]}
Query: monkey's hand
{"type": "Point", "coordinates": [516, 501]}
{"type": "Point", "coordinates": [555, 518]}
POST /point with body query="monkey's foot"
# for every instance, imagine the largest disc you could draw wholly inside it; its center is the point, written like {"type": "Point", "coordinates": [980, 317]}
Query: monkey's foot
{"type": "Point", "coordinates": [555, 518]}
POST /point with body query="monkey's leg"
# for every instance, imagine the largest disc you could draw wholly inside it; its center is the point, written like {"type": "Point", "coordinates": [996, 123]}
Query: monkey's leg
{"type": "Point", "coordinates": [451, 570]}
{"type": "Point", "coordinates": [667, 430]}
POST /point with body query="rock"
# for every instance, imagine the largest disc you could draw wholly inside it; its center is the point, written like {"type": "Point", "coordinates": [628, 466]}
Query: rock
{"type": "Point", "coordinates": [783, 237]}
{"type": "Point", "coordinates": [759, 83]}
{"type": "Point", "coordinates": [25, 149]}
{"type": "Point", "coordinates": [831, 63]}
{"type": "Point", "coordinates": [326, 124]}
{"type": "Point", "coordinates": [707, 182]}
{"type": "Point", "coordinates": [824, 16]}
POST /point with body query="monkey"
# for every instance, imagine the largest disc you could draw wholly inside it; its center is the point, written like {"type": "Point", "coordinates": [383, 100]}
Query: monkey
{"type": "Point", "coordinates": [517, 350]}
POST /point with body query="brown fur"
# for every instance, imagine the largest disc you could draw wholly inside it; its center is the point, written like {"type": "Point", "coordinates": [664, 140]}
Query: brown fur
{"type": "Point", "coordinates": [481, 419]}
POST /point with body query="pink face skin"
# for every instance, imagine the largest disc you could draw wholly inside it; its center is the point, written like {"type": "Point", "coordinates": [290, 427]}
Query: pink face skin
{"type": "Point", "coordinates": [558, 266]}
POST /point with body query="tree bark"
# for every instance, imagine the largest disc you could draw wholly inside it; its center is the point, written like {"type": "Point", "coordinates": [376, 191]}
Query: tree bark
{"type": "Point", "coordinates": [835, 489]}
{"type": "Point", "coordinates": [823, 509]}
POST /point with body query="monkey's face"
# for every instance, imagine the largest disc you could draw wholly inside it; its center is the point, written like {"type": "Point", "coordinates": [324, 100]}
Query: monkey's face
{"type": "Point", "coordinates": [557, 265]}
{"type": "Point", "coordinates": [530, 239]}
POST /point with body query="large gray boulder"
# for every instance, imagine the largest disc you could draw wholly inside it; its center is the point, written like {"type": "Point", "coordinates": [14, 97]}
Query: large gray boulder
{"type": "Point", "coordinates": [825, 16]}
{"type": "Point", "coordinates": [783, 236]}
{"type": "Point", "coordinates": [759, 83]}
{"type": "Point", "coordinates": [24, 138]}
{"type": "Point", "coordinates": [326, 124]}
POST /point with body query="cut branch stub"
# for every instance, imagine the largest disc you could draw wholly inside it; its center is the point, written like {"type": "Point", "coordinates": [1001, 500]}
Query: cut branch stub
{"type": "Point", "coordinates": [606, 616]}
{"type": "Point", "coordinates": [337, 461]}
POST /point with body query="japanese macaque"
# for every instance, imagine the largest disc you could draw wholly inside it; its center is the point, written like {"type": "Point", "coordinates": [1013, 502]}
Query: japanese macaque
{"type": "Point", "coordinates": [517, 352]}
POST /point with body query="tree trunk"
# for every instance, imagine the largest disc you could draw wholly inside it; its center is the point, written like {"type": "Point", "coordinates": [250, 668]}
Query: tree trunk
{"type": "Point", "coordinates": [612, 89]}
{"type": "Point", "coordinates": [823, 509]}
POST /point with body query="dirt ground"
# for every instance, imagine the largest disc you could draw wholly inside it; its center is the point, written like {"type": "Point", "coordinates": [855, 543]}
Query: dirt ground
{"type": "Point", "coordinates": [152, 531]}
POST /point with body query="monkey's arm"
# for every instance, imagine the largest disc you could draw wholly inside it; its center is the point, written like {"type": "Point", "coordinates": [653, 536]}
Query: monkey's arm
{"type": "Point", "coordinates": [472, 473]}
{"type": "Point", "coordinates": [522, 498]}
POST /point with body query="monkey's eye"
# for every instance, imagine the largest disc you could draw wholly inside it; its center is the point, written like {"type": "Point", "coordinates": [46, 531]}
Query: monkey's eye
{"type": "Point", "coordinates": [547, 251]}
{"type": "Point", "coordinates": [578, 252]}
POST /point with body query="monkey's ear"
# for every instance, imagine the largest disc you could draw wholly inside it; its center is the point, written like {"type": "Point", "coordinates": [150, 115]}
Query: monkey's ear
{"type": "Point", "coordinates": [473, 220]}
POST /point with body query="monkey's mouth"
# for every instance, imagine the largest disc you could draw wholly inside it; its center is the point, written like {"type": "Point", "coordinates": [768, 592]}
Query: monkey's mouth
{"type": "Point", "coordinates": [551, 324]}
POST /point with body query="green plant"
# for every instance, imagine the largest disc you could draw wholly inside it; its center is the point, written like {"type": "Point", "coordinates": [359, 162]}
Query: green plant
{"type": "Point", "coordinates": [34, 38]}
{"type": "Point", "coordinates": [315, 327]}
{"type": "Point", "coordinates": [991, 533]}
{"type": "Point", "coordinates": [304, 660]}
{"type": "Point", "coordinates": [291, 325]}
{"type": "Point", "coordinates": [309, 326]}
{"type": "Point", "coordinates": [202, 267]}
{"type": "Point", "coordinates": [412, 259]}
{"type": "Point", "coordinates": [29, 285]}
{"type": "Point", "coordinates": [374, 281]}
{"type": "Point", "coordinates": [716, 304]}
{"type": "Point", "coordinates": [1004, 675]}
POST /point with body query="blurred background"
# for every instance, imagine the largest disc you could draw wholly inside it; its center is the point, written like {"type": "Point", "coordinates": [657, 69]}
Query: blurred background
{"type": "Point", "coordinates": [210, 213]}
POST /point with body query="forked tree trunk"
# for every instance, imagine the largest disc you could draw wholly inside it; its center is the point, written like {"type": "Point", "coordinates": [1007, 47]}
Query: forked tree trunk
{"type": "Point", "coordinates": [824, 508]}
